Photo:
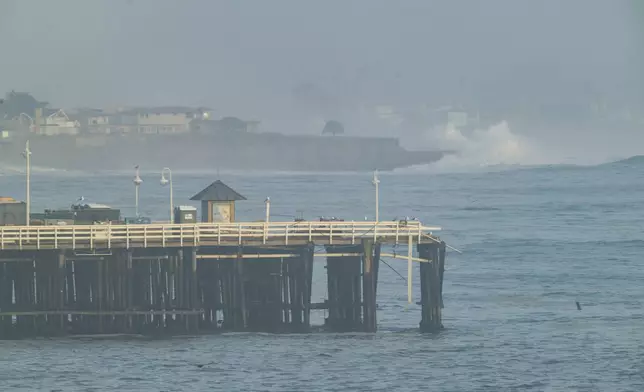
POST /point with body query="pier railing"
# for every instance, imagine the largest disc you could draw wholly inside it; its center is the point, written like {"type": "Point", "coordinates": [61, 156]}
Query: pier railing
{"type": "Point", "coordinates": [208, 234]}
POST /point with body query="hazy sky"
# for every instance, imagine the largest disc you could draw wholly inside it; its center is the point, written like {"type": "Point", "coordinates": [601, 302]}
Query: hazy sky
{"type": "Point", "coordinates": [248, 58]}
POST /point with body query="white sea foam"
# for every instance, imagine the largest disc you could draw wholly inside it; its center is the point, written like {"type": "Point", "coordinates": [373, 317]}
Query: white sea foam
{"type": "Point", "coordinates": [499, 148]}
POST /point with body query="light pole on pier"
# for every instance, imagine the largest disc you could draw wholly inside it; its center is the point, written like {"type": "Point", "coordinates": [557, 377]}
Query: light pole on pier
{"type": "Point", "coordinates": [268, 208]}
{"type": "Point", "coordinates": [375, 182]}
{"type": "Point", "coordinates": [168, 181]}
{"type": "Point", "coordinates": [27, 155]}
{"type": "Point", "coordinates": [137, 184]}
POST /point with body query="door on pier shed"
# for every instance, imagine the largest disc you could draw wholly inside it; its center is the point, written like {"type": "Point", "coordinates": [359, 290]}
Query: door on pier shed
{"type": "Point", "coordinates": [218, 203]}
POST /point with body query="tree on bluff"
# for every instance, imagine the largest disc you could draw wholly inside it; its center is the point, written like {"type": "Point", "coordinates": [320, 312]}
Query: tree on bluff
{"type": "Point", "coordinates": [15, 103]}
{"type": "Point", "coordinates": [333, 127]}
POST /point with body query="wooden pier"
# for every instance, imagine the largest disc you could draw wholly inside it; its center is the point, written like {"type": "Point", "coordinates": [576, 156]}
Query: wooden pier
{"type": "Point", "coordinates": [203, 277]}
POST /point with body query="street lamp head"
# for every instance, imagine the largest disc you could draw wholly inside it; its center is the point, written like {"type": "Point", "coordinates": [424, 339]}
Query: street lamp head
{"type": "Point", "coordinates": [375, 180]}
{"type": "Point", "coordinates": [164, 180]}
{"type": "Point", "coordinates": [137, 178]}
{"type": "Point", "coordinates": [27, 151]}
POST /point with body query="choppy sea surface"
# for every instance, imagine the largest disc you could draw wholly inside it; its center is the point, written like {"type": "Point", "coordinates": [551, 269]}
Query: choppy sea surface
{"type": "Point", "coordinates": [534, 240]}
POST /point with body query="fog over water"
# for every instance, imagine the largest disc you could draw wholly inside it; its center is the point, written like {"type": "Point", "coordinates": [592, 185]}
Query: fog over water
{"type": "Point", "coordinates": [294, 64]}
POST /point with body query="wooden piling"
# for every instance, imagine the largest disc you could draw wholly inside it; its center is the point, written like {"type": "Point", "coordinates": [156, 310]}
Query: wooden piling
{"type": "Point", "coordinates": [6, 299]}
{"type": "Point", "coordinates": [431, 283]}
{"type": "Point", "coordinates": [129, 296]}
{"type": "Point", "coordinates": [193, 302]}
{"type": "Point", "coordinates": [239, 292]}
{"type": "Point", "coordinates": [370, 264]}
{"type": "Point", "coordinates": [209, 281]}
{"type": "Point", "coordinates": [263, 292]}
{"type": "Point", "coordinates": [60, 290]}
{"type": "Point", "coordinates": [344, 279]}
{"type": "Point", "coordinates": [307, 279]}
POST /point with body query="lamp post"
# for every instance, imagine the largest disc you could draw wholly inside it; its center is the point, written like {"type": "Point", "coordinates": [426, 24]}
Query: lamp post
{"type": "Point", "coordinates": [375, 182]}
{"type": "Point", "coordinates": [164, 182]}
{"type": "Point", "coordinates": [137, 184]}
{"type": "Point", "coordinates": [268, 208]}
{"type": "Point", "coordinates": [27, 155]}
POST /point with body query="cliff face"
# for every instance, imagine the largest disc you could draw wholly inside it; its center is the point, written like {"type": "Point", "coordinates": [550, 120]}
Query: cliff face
{"type": "Point", "coordinates": [235, 151]}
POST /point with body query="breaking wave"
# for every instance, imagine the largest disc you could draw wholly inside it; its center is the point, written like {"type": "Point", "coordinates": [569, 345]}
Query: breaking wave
{"type": "Point", "coordinates": [494, 148]}
{"type": "Point", "coordinates": [496, 145]}
{"type": "Point", "coordinates": [498, 148]}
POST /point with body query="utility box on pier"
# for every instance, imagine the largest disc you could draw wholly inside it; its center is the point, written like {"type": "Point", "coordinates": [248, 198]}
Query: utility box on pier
{"type": "Point", "coordinates": [185, 214]}
{"type": "Point", "coordinates": [218, 203]}
{"type": "Point", "coordinates": [12, 212]}
{"type": "Point", "coordinates": [78, 214]}
{"type": "Point", "coordinates": [88, 214]}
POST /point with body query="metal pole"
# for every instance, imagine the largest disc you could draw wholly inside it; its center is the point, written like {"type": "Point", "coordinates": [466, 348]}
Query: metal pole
{"type": "Point", "coordinates": [375, 182]}
{"type": "Point", "coordinates": [137, 183]}
{"type": "Point", "coordinates": [268, 208]}
{"type": "Point", "coordinates": [171, 199]}
{"type": "Point", "coordinates": [377, 204]}
{"type": "Point", "coordinates": [164, 182]}
{"type": "Point", "coordinates": [410, 250]}
{"type": "Point", "coordinates": [27, 154]}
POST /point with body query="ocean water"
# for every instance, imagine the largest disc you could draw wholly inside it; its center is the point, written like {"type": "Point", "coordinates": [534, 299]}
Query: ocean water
{"type": "Point", "coordinates": [534, 240]}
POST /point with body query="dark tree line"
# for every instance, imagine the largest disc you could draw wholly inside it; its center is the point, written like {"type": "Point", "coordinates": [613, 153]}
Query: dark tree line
{"type": "Point", "coordinates": [15, 103]}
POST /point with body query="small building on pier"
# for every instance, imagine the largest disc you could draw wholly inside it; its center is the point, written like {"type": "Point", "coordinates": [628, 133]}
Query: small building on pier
{"type": "Point", "coordinates": [218, 203]}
